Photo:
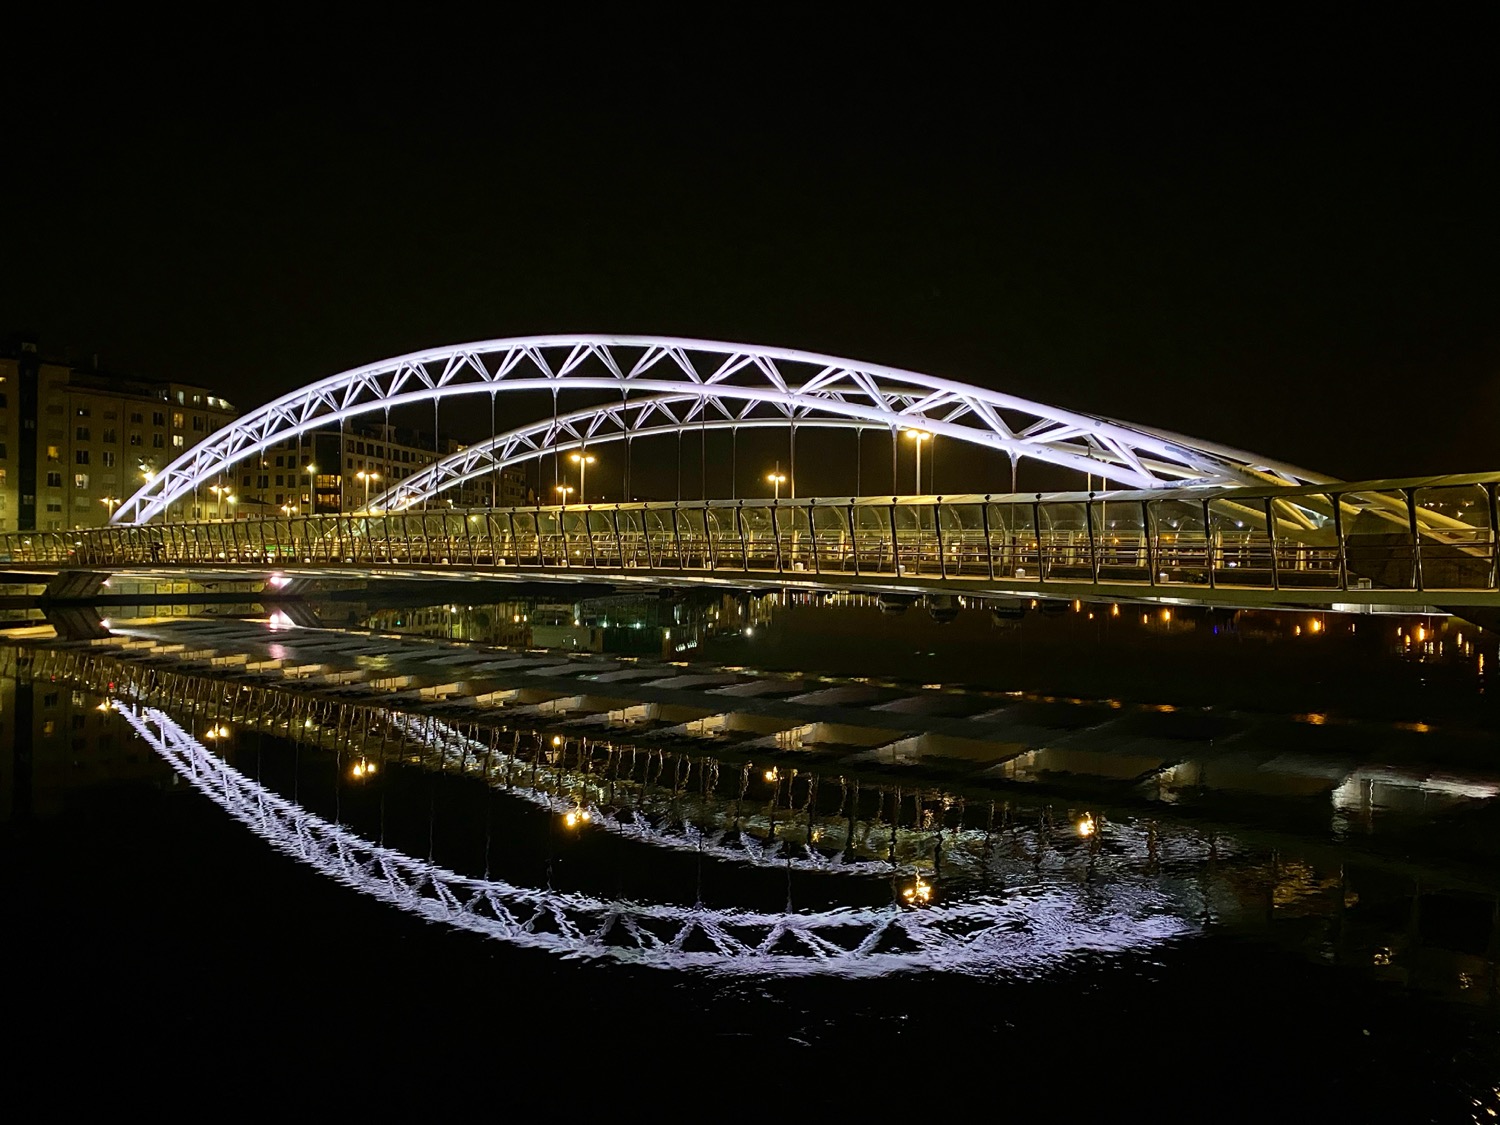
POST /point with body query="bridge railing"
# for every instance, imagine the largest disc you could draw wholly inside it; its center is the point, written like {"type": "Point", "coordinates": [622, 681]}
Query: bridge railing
{"type": "Point", "coordinates": [1423, 534]}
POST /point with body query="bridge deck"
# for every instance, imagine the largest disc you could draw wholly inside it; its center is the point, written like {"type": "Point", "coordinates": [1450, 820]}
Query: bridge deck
{"type": "Point", "coordinates": [1402, 543]}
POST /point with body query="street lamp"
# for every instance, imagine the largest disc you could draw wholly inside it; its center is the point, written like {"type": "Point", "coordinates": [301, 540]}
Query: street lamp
{"type": "Point", "coordinates": [109, 502]}
{"type": "Point", "coordinates": [222, 493]}
{"type": "Point", "coordinates": [367, 478]}
{"type": "Point", "coordinates": [565, 490]}
{"type": "Point", "coordinates": [583, 461]}
{"type": "Point", "coordinates": [777, 480]}
{"type": "Point", "coordinates": [312, 489]}
{"type": "Point", "coordinates": [918, 436]}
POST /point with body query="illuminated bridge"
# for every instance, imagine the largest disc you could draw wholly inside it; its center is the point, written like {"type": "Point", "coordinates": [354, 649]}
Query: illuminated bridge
{"type": "Point", "coordinates": [1181, 520]}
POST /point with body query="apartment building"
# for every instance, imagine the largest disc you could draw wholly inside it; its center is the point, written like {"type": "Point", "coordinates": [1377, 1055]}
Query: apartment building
{"type": "Point", "coordinates": [74, 443]}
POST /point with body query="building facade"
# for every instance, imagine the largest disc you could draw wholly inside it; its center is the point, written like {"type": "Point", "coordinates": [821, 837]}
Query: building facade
{"type": "Point", "coordinates": [74, 443]}
{"type": "Point", "coordinates": [340, 470]}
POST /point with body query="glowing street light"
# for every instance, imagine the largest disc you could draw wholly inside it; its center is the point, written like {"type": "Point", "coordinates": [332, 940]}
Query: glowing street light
{"type": "Point", "coordinates": [367, 478]}
{"type": "Point", "coordinates": [777, 480]}
{"type": "Point", "coordinates": [224, 494]}
{"type": "Point", "coordinates": [918, 436]}
{"type": "Point", "coordinates": [565, 490]}
{"type": "Point", "coordinates": [110, 503]}
{"type": "Point", "coordinates": [312, 489]}
{"type": "Point", "coordinates": [583, 461]}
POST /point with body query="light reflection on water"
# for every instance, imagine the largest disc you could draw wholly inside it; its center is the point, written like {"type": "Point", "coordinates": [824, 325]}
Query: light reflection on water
{"type": "Point", "coordinates": [1128, 830]}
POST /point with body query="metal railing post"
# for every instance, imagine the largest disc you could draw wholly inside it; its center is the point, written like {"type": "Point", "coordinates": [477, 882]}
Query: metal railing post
{"type": "Point", "coordinates": [895, 547]}
{"type": "Point", "coordinates": [1088, 521]}
{"type": "Point", "coordinates": [812, 534]}
{"type": "Point", "coordinates": [1036, 526]}
{"type": "Point", "coordinates": [1338, 531]}
{"type": "Point", "coordinates": [937, 528]}
{"type": "Point", "coordinates": [1494, 535]}
{"type": "Point", "coordinates": [1416, 538]}
{"type": "Point", "coordinates": [1271, 536]}
{"type": "Point", "coordinates": [1150, 542]}
{"type": "Point", "coordinates": [1208, 545]}
{"type": "Point", "coordinates": [989, 548]}
{"type": "Point", "coordinates": [853, 542]}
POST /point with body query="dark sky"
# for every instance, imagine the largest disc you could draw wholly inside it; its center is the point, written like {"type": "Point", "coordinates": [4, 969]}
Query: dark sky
{"type": "Point", "coordinates": [1278, 236]}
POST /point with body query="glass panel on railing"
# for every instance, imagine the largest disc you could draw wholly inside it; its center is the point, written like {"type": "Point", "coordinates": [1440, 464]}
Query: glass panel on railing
{"type": "Point", "coordinates": [1378, 546]}
{"type": "Point", "coordinates": [1120, 537]}
{"type": "Point", "coordinates": [1457, 541]}
{"type": "Point", "coordinates": [916, 538]}
{"type": "Point", "coordinates": [551, 550]}
{"type": "Point", "coordinates": [760, 544]}
{"type": "Point", "coordinates": [1240, 547]}
{"type": "Point", "coordinates": [1181, 541]}
{"type": "Point", "coordinates": [872, 539]}
{"type": "Point", "coordinates": [633, 537]}
{"type": "Point", "coordinates": [830, 523]}
{"type": "Point", "coordinates": [574, 524]}
{"type": "Point", "coordinates": [660, 538]}
{"type": "Point", "coordinates": [725, 536]}
{"type": "Point", "coordinates": [1013, 540]}
{"type": "Point", "coordinates": [1064, 540]}
{"type": "Point", "coordinates": [964, 547]}
{"type": "Point", "coordinates": [796, 538]}
{"type": "Point", "coordinates": [1306, 547]}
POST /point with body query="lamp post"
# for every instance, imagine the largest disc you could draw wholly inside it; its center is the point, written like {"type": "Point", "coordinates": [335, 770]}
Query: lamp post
{"type": "Point", "coordinates": [777, 480]}
{"type": "Point", "coordinates": [312, 488]}
{"type": "Point", "coordinates": [110, 503]}
{"type": "Point", "coordinates": [583, 461]}
{"type": "Point", "coordinates": [221, 492]}
{"type": "Point", "coordinates": [918, 436]}
{"type": "Point", "coordinates": [565, 490]}
{"type": "Point", "coordinates": [367, 478]}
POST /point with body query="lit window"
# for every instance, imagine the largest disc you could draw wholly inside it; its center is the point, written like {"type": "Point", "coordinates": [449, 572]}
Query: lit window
{"type": "Point", "coordinates": [80, 480]}
{"type": "Point", "coordinates": [54, 455]}
{"type": "Point", "coordinates": [176, 441]}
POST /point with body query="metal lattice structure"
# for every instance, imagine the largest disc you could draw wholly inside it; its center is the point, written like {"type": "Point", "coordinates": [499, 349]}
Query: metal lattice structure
{"type": "Point", "coordinates": [699, 382]}
{"type": "Point", "coordinates": [1021, 933]}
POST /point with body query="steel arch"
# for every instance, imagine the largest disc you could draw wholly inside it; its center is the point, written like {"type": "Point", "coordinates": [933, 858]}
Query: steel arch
{"type": "Point", "coordinates": [738, 382]}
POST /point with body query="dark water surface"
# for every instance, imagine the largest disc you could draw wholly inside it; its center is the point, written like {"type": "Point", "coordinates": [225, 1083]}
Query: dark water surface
{"type": "Point", "coordinates": [717, 856]}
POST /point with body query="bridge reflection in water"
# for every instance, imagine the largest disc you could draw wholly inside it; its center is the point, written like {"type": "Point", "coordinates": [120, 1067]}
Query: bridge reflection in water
{"type": "Point", "coordinates": [919, 878]}
{"type": "Point", "coordinates": [1301, 544]}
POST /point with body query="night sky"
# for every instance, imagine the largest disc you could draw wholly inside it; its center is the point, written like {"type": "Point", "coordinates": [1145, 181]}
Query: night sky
{"type": "Point", "coordinates": [1283, 238]}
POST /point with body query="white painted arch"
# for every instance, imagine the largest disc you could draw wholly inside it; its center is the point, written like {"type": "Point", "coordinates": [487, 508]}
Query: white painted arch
{"type": "Point", "coordinates": [727, 384]}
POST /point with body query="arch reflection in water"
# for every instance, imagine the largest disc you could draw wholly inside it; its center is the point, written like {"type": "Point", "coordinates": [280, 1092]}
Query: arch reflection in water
{"type": "Point", "coordinates": [1021, 934]}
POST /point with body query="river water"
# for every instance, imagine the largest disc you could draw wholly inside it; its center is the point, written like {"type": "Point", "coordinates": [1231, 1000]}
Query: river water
{"type": "Point", "coordinates": [712, 853]}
